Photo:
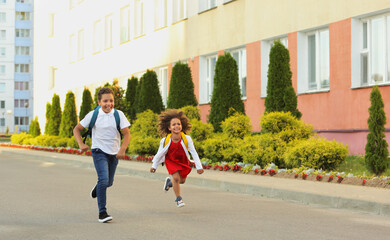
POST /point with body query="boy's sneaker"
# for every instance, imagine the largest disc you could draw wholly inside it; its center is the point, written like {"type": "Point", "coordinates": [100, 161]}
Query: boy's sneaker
{"type": "Point", "coordinates": [179, 202]}
{"type": "Point", "coordinates": [93, 192]}
{"type": "Point", "coordinates": [167, 184]}
{"type": "Point", "coordinates": [104, 217]}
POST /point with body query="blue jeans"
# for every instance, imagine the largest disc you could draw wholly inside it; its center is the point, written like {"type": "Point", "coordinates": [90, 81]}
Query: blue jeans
{"type": "Point", "coordinates": [105, 165]}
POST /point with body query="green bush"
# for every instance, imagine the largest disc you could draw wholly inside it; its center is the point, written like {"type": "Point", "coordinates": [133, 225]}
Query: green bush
{"type": "Point", "coordinates": [237, 126]}
{"type": "Point", "coordinates": [19, 138]}
{"type": "Point", "coordinates": [69, 116]}
{"type": "Point", "coordinates": [55, 116]}
{"type": "Point", "coordinates": [222, 148]}
{"type": "Point", "coordinates": [144, 134]}
{"type": "Point", "coordinates": [250, 150]}
{"type": "Point", "coordinates": [317, 153]}
{"type": "Point", "coordinates": [144, 145]}
{"type": "Point", "coordinates": [150, 96]}
{"type": "Point", "coordinates": [191, 112]}
{"type": "Point", "coordinates": [272, 149]}
{"type": "Point", "coordinates": [72, 143]}
{"type": "Point", "coordinates": [34, 128]}
{"type": "Point", "coordinates": [86, 104]}
{"type": "Point", "coordinates": [130, 98]}
{"type": "Point", "coordinates": [200, 131]}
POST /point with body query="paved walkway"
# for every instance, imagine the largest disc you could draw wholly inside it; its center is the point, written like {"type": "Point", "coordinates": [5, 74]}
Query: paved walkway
{"type": "Point", "coordinates": [341, 196]}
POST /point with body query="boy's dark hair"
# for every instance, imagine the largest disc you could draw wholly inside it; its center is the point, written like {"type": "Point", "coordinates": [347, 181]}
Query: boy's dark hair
{"type": "Point", "coordinates": [104, 90]}
{"type": "Point", "coordinates": [165, 121]}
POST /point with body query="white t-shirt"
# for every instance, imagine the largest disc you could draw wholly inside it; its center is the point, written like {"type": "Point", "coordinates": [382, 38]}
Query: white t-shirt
{"type": "Point", "coordinates": [105, 136]}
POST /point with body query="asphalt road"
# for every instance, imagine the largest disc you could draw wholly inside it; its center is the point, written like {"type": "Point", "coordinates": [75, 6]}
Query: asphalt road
{"type": "Point", "coordinates": [44, 200]}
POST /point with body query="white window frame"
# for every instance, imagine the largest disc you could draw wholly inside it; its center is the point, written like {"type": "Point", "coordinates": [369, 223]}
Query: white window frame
{"type": "Point", "coordinates": [179, 10]}
{"type": "Point", "coordinates": [22, 68]}
{"type": "Point", "coordinates": [22, 50]}
{"type": "Point", "coordinates": [52, 77]}
{"type": "Point", "coordinates": [3, 34]}
{"type": "Point", "coordinates": [3, 17]}
{"type": "Point", "coordinates": [125, 24]}
{"type": "Point", "coordinates": [80, 44]}
{"type": "Point", "coordinates": [51, 24]}
{"type": "Point", "coordinates": [23, 16]}
{"type": "Point", "coordinates": [72, 48]}
{"type": "Point", "coordinates": [97, 36]}
{"type": "Point", "coordinates": [206, 77]}
{"type": "Point", "coordinates": [241, 68]}
{"type": "Point", "coordinates": [266, 46]}
{"type": "Point", "coordinates": [163, 83]}
{"type": "Point", "coordinates": [3, 52]}
{"type": "Point", "coordinates": [108, 24]}
{"type": "Point", "coordinates": [21, 86]}
{"type": "Point", "coordinates": [139, 18]}
{"type": "Point", "coordinates": [160, 14]}
{"type": "Point", "coordinates": [205, 5]}
{"type": "Point", "coordinates": [322, 62]}
{"type": "Point", "coordinates": [2, 87]}
{"type": "Point", "coordinates": [22, 33]}
{"type": "Point", "coordinates": [2, 69]}
{"type": "Point", "coordinates": [363, 54]}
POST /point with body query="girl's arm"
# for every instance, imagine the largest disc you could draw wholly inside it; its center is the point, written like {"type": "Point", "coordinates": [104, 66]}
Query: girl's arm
{"type": "Point", "coordinates": [155, 161]}
{"type": "Point", "coordinates": [194, 154]}
{"type": "Point", "coordinates": [125, 143]}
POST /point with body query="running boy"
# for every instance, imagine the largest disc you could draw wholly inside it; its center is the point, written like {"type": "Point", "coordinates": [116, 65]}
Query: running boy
{"type": "Point", "coordinates": [175, 153]}
{"type": "Point", "coordinates": [106, 146]}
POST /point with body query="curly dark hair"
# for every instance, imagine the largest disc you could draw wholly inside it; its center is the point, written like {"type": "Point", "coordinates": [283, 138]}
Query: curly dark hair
{"type": "Point", "coordinates": [165, 121]}
{"type": "Point", "coordinates": [104, 90]}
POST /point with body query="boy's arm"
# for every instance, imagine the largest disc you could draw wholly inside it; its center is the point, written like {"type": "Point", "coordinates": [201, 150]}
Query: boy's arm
{"type": "Point", "coordinates": [125, 143]}
{"type": "Point", "coordinates": [76, 133]}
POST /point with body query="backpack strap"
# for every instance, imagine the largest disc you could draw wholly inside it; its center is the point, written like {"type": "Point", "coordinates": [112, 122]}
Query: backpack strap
{"type": "Point", "coordinates": [183, 137]}
{"type": "Point", "coordinates": [118, 122]}
{"type": "Point", "coordinates": [88, 133]}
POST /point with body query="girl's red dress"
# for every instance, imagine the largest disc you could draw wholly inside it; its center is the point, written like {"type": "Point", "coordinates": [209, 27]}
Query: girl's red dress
{"type": "Point", "coordinates": [176, 160]}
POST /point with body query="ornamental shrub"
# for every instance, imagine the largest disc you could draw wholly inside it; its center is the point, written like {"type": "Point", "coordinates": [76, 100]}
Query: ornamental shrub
{"type": "Point", "coordinates": [272, 149]}
{"type": "Point", "coordinates": [86, 104]}
{"type": "Point", "coordinates": [250, 150]}
{"type": "Point", "coordinates": [144, 134]}
{"type": "Point", "coordinates": [280, 93]}
{"type": "Point", "coordinates": [226, 91]}
{"type": "Point", "coordinates": [201, 131]}
{"type": "Point", "coordinates": [237, 126]}
{"type": "Point", "coordinates": [317, 153]}
{"type": "Point", "coordinates": [130, 98]}
{"type": "Point", "coordinates": [72, 143]}
{"type": "Point", "coordinates": [55, 116]}
{"type": "Point", "coordinates": [19, 138]}
{"type": "Point", "coordinates": [376, 157]}
{"type": "Point", "coordinates": [138, 99]}
{"type": "Point", "coordinates": [221, 148]}
{"type": "Point", "coordinates": [34, 128]}
{"type": "Point", "coordinates": [48, 108]}
{"type": "Point", "coordinates": [191, 112]}
{"type": "Point", "coordinates": [181, 87]}
{"type": "Point", "coordinates": [150, 96]}
{"type": "Point", "coordinates": [69, 117]}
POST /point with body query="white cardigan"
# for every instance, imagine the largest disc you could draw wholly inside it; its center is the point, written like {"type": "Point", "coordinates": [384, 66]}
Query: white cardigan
{"type": "Point", "coordinates": [162, 151]}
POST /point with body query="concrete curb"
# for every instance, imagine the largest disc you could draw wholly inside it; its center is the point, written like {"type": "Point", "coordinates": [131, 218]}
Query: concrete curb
{"type": "Point", "coordinates": [369, 207]}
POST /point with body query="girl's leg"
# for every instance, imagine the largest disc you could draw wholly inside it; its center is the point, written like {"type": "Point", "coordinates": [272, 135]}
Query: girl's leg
{"type": "Point", "coordinates": [176, 180]}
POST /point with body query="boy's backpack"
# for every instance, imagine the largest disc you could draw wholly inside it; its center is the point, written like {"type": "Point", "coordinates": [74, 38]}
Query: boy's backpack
{"type": "Point", "coordinates": [183, 136]}
{"type": "Point", "coordinates": [93, 120]}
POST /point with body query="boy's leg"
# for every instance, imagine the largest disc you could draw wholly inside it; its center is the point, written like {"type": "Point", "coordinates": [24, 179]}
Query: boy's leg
{"type": "Point", "coordinates": [100, 161]}
{"type": "Point", "coordinates": [112, 164]}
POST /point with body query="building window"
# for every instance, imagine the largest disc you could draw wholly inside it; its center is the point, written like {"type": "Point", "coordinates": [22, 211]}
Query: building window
{"type": "Point", "coordinates": [206, 5]}
{"type": "Point", "coordinates": [160, 19]}
{"type": "Point", "coordinates": [3, 17]}
{"type": "Point", "coordinates": [2, 87]}
{"type": "Point", "coordinates": [2, 104]}
{"type": "Point", "coordinates": [3, 35]}
{"type": "Point", "coordinates": [163, 83]}
{"type": "Point", "coordinates": [313, 63]}
{"type": "Point", "coordinates": [21, 86]}
{"type": "Point", "coordinates": [2, 52]}
{"type": "Point", "coordinates": [52, 77]}
{"type": "Point", "coordinates": [266, 46]}
{"type": "Point", "coordinates": [80, 45]}
{"type": "Point", "coordinates": [108, 32]}
{"type": "Point", "coordinates": [206, 78]}
{"type": "Point", "coordinates": [97, 36]}
{"type": "Point", "coordinates": [51, 25]}
{"type": "Point", "coordinates": [2, 122]}
{"type": "Point", "coordinates": [19, 50]}
{"type": "Point", "coordinates": [3, 1]}
{"type": "Point", "coordinates": [179, 11]}
{"type": "Point", "coordinates": [21, 121]}
{"type": "Point", "coordinates": [21, 103]}
{"type": "Point", "coordinates": [72, 48]}
{"type": "Point", "coordinates": [139, 18]}
{"type": "Point", "coordinates": [23, 16]}
{"type": "Point", "coordinates": [22, 68]}
{"type": "Point", "coordinates": [240, 56]}
{"type": "Point", "coordinates": [125, 24]}
{"type": "Point", "coordinates": [2, 69]}
{"type": "Point", "coordinates": [24, 33]}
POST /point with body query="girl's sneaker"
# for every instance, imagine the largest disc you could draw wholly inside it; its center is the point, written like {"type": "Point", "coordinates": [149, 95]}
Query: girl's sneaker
{"type": "Point", "coordinates": [167, 184]}
{"type": "Point", "coordinates": [179, 202]}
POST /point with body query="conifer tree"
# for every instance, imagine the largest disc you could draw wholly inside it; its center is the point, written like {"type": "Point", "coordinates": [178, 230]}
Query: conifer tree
{"type": "Point", "coordinates": [181, 87]}
{"type": "Point", "coordinates": [48, 108]}
{"type": "Point", "coordinates": [226, 92]}
{"type": "Point", "coordinates": [34, 128]}
{"type": "Point", "coordinates": [280, 93]}
{"type": "Point", "coordinates": [150, 96]}
{"type": "Point", "coordinates": [119, 102]}
{"type": "Point", "coordinates": [137, 100]}
{"type": "Point", "coordinates": [130, 98]}
{"type": "Point", "coordinates": [55, 116]}
{"type": "Point", "coordinates": [86, 104]}
{"type": "Point", "coordinates": [69, 117]}
{"type": "Point", "coordinates": [376, 157]}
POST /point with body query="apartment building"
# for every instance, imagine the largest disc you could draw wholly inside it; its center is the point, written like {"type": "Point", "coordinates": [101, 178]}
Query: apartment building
{"type": "Point", "coordinates": [338, 50]}
{"type": "Point", "coordinates": [16, 76]}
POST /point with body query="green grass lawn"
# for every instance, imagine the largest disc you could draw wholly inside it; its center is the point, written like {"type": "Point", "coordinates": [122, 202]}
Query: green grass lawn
{"type": "Point", "coordinates": [356, 166]}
